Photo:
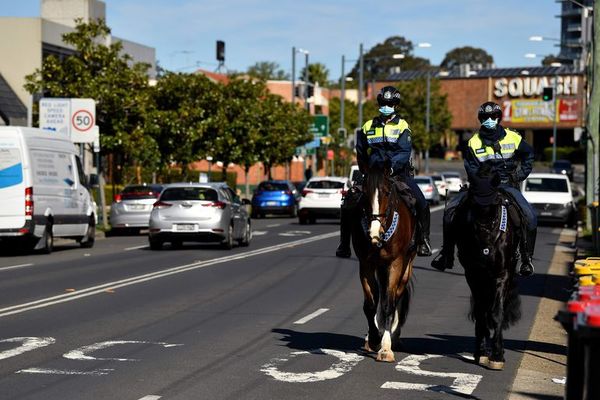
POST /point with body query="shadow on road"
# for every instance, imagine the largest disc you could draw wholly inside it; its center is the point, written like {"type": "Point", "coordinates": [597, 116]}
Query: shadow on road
{"type": "Point", "coordinates": [316, 340]}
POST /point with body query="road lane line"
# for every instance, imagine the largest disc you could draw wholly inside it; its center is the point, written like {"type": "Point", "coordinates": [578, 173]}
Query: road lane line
{"type": "Point", "coordinates": [94, 290]}
{"type": "Point", "coordinates": [273, 225]}
{"type": "Point", "coordinates": [144, 246]}
{"type": "Point", "coordinates": [259, 233]}
{"type": "Point", "coordinates": [150, 397]}
{"type": "Point", "coordinates": [311, 316]}
{"type": "Point", "coordinates": [436, 208]}
{"type": "Point", "coordinates": [15, 267]}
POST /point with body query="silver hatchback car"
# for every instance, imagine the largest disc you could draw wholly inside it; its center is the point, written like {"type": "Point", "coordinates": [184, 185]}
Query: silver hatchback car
{"type": "Point", "coordinates": [130, 210]}
{"type": "Point", "coordinates": [199, 212]}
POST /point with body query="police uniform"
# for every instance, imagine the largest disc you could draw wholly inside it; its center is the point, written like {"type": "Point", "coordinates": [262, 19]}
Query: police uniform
{"type": "Point", "coordinates": [386, 144]}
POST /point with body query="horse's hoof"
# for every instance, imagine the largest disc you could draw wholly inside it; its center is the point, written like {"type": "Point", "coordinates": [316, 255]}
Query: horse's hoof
{"type": "Point", "coordinates": [496, 365]}
{"type": "Point", "coordinates": [386, 356]}
{"type": "Point", "coordinates": [484, 361]}
{"type": "Point", "coordinates": [367, 347]}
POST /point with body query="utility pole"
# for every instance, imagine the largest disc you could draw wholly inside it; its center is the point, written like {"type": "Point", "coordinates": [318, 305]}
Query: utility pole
{"type": "Point", "coordinates": [593, 120]}
{"type": "Point", "coordinates": [554, 116]}
{"type": "Point", "coordinates": [342, 93]}
{"type": "Point", "coordinates": [361, 67]}
{"type": "Point", "coordinates": [293, 75]}
{"type": "Point", "coordinates": [427, 113]}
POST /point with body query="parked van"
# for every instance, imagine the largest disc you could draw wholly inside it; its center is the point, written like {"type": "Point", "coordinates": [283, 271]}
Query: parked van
{"type": "Point", "coordinates": [43, 191]}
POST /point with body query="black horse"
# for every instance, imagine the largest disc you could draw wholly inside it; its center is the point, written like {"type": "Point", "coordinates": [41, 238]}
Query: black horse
{"type": "Point", "coordinates": [384, 245]}
{"type": "Point", "coordinates": [488, 250]}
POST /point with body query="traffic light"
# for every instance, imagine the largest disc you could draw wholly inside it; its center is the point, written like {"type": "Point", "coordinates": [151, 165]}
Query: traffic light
{"type": "Point", "coordinates": [297, 91]}
{"type": "Point", "coordinates": [311, 90]}
{"type": "Point", "coordinates": [547, 94]}
{"type": "Point", "coordinates": [220, 50]}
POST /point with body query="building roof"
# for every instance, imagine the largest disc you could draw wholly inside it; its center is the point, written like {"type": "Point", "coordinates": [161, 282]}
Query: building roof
{"type": "Point", "coordinates": [11, 108]}
{"type": "Point", "coordinates": [484, 73]}
{"type": "Point", "coordinates": [214, 76]}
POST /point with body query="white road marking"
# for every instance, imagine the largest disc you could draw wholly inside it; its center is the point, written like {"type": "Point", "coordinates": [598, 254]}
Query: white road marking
{"type": "Point", "coordinates": [144, 246]}
{"type": "Point", "coordinates": [259, 233]}
{"type": "Point", "coordinates": [99, 289]}
{"type": "Point", "coordinates": [82, 352]}
{"type": "Point", "coordinates": [150, 397]}
{"type": "Point", "coordinates": [346, 361]}
{"type": "Point", "coordinates": [463, 383]}
{"type": "Point", "coordinates": [44, 371]}
{"type": "Point", "coordinates": [295, 233]}
{"type": "Point", "coordinates": [27, 344]}
{"type": "Point", "coordinates": [311, 316]}
{"type": "Point", "coordinates": [273, 225]}
{"type": "Point", "coordinates": [15, 267]}
{"type": "Point", "coordinates": [436, 208]}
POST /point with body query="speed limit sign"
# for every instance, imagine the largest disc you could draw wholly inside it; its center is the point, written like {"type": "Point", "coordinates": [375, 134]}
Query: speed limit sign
{"type": "Point", "coordinates": [82, 120]}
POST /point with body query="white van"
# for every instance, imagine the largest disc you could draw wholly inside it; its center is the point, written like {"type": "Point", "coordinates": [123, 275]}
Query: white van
{"type": "Point", "coordinates": [43, 191]}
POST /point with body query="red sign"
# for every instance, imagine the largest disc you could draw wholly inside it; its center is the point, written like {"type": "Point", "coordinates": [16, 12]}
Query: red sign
{"type": "Point", "coordinates": [329, 154]}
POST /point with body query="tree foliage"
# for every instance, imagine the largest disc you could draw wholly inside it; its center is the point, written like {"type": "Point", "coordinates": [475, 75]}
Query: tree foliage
{"type": "Point", "coordinates": [473, 56]}
{"type": "Point", "coordinates": [317, 73]}
{"type": "Point", "coordinates": [107, 75]}
{"type": "Point", "coordinates": [379, 61]}
{"type": "Point", "coordinates": [267, 70]}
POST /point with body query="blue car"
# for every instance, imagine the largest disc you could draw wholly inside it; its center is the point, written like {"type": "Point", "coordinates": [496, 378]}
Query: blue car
{"type": "Point", "coordinates": [275, 197]}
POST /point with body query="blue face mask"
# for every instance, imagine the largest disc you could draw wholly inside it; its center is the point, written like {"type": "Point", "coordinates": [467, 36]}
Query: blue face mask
{"type": "Point", "coordinates": [490, 123]}
{"type": "Point", "coordinates": [386, 110]}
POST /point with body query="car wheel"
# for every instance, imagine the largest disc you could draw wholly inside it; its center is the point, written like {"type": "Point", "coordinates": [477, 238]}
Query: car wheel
{"type": "Point", "coordinates": [228, 242]}
{"type": "Point", "coordinates": [312, 220]}
{"type": "Point", "coordinates": [90, 236]}
{"type": "Point", "coordinates": [247, 235]}
{"type": "Point", "coordinates": [302, 220]}
{"type": "Point", "coordinates": [155, 244]}
{"type": "Point", "coordinates": [254, 215]}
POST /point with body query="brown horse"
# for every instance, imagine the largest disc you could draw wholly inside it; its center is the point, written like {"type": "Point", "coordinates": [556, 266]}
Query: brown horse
{"type": "Point", "coordinates": [384, 245]}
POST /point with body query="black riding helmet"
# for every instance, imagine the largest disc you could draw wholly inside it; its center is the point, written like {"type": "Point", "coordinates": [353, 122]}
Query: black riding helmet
{"type": "Point", "coordinates": [388, 96]}
{"type": "Point", "coordinates": [489, 109]}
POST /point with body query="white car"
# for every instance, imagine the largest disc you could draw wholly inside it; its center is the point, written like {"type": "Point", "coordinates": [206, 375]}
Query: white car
{"type": "Point", "coordinates": [453, 182]}
{"type": "Point", "coordinates": [440, 184]}
{"type": "Point", "coordinates": [322, 197]}
{"type": "Point", "coordinates": [428, 188]}
{"type": "Point", "coordinates": [551, 196]}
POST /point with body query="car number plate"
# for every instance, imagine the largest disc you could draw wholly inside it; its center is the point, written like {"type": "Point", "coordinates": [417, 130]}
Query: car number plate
{"type": "Point", "coordinates": [185, 227]}
{"type": "Point", "coordinates": [137, 207]}
{"type": "Point", "coordinates": [323, 194]}
{"type": "Point", "coordinates": [545, 213]}
{"type": "Point", "coordinates": [272, 203]}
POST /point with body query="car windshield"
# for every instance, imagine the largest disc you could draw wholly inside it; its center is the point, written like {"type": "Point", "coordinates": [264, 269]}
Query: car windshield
{"type": "Point", "coordinates": [452, 175]}
{"type": "Point", "coordinates": [437, 178]}
{"type": "Point", "coordinates": [546, 185]}
{"type": "Point", "coordinates": [422, 180]}
{"type": "Point", "coordinates": [140, 192]}
{"type": "Point", "coordinates": [325, 185]}
{"type": "Point", "coordinates": [272, 186]}
{"type": "Point", "coordinates": [189, 193]}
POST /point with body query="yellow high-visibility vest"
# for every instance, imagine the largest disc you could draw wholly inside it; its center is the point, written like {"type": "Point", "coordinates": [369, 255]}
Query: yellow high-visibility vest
{"type": "Point", "coordinates": [391, 132]}
{"type": "Point", "coordinates": [508, 145]}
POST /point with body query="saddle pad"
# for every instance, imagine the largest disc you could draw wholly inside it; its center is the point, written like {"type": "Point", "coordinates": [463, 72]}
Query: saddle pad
{"type": "Point", "coordinates": [406, 195]}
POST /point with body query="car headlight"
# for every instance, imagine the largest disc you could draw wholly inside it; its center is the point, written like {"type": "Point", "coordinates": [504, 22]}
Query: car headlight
{"type": "Point", "coordinates": [568, 205]}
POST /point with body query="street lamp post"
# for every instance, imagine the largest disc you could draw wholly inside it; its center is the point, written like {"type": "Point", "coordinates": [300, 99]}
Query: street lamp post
{"type": "Point", "coordinates": [427, 108]}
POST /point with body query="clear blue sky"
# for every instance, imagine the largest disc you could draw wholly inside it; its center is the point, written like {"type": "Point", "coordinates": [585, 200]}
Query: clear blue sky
{"type": "Point", "coordinates": [184, 32]}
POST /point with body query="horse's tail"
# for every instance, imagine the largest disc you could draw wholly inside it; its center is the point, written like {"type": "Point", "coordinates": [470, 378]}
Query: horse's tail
{"type": "Point", "coordinates": [405, 301]}
{"type": "Point", "coordinates": [512, 304]}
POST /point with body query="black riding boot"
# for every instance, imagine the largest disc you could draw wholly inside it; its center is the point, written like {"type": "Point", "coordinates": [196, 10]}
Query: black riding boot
{"type": "Point", "coordinates": [424, 247]}
{"type": "Point", "coordinates": [343, 249]}
{"type": "Point", "coordinates": [527, 248]}
{"type": "Point", "coordinates": [446, 257]}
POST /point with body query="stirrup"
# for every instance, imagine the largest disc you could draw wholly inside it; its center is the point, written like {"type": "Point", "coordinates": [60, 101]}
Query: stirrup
{"type": "Point", "coordinates": [526, 269]}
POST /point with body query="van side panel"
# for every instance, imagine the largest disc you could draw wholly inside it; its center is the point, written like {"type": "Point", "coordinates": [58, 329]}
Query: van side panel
{"type": "Point", "coordinates": [12, 181]}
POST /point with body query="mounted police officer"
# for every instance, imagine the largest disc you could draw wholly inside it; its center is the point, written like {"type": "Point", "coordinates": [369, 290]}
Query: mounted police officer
{"type": "Point", "coordinates": [506, 152]}
{"type": "Point", "coordinates": [384, 142]}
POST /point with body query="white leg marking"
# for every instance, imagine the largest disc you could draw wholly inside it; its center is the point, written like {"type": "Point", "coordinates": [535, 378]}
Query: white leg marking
{"type": "Point", "coordinates": [375, 224]}
{"type": "Point", "coordinates": [386, 342]}
{"type": "Point", "coordinates": [346, 361]}
{"type": "Point", "coordinates": [395, 321]}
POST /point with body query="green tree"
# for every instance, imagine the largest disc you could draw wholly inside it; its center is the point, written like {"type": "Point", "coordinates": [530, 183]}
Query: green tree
{"type": "Point", "coordinates": [267, 70]}
{"type": "Point", "coordinates": [184, 117]}
{"type": "Point", "coordinates": [107, 75]}
{"type": "Point", "coordinates": [473, 56]}
{"type": "Point", "coordinates": [379, 61]}
{"type": "Point", "coordinates": [317, 73]}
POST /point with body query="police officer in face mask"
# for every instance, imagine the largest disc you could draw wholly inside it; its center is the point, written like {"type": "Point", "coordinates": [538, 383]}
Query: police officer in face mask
{"type": "Point", "coordinates": [384, 142]}
{"type": "Point", "coordinates": [505, 152]}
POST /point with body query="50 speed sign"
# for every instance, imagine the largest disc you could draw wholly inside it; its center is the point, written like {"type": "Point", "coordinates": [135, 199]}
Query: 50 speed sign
{"type": "Point", "coordinates": [82, 120]}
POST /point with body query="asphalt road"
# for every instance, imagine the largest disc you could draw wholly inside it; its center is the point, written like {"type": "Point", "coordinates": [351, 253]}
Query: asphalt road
{"type": "Point", "coordinates": [280, 319]}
